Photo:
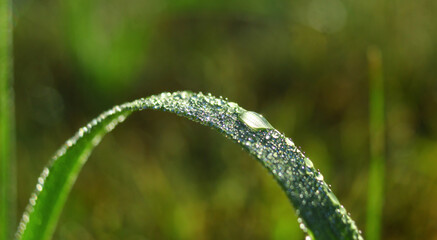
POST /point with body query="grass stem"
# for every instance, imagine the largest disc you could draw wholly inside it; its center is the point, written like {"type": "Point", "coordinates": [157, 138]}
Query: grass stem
{"type": "Point", "coordinates": [7, 167]}
{"type": "Point", "coordinates": [375, 194]}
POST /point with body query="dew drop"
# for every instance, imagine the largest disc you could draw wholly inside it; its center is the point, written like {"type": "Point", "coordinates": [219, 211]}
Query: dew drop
{"type": "Point", "coordinates": [45, 172]}
{"type": "Point", "coordinates": [275, 134]}
{"type": "Point", "coordinates": [232, 105]}
{"type": "Point", "coordinates": [41, 180]}
{"type": "Point", "coordinates": [255, 120]}
{"type": "Point", "coordinates": [319, 176]}
{"type": "Point", "coordinates": [289, 142]}
{"type": "Point", "coordinates": [25, 218]}
{"type": "Point", "coordinates": [333, 198]}
{"type": "Point", "coordinates": [302, 225]}
{"type": "Point", "coordinates": [69, 143]}
{"type": "Point", "coordinates": [308, 162]}
{"type": "Point", "coordinates": [81, 132]}
{"type": "Point", "coordinates": [32, 199]}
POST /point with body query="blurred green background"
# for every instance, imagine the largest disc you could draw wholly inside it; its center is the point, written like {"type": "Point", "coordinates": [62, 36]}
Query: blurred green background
{"type": "Point", "coordinates": [302, 64]}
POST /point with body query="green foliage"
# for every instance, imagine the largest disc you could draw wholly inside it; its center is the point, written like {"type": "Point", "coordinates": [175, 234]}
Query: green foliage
{"type": "Point", "coordinates": [302, 63]}
{"type": "Point", "coordinates": [55, 182]}
{"type": "Point", "coordinates": [319, 211]}
{"type": "Point", "coordinates": [375, 196]}
{"type": "Point", "coordinates": [7, 186]}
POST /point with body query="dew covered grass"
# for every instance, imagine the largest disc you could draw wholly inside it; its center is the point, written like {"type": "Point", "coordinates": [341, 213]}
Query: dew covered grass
{"type": "Point", "coordinates": [319, 212]}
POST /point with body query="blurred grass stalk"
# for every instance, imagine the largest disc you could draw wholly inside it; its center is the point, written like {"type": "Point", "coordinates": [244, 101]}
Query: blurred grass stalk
{"type": "Point", "coordinates": [7, 167]}
{"type": "Point", "coordinates": [375, 194]}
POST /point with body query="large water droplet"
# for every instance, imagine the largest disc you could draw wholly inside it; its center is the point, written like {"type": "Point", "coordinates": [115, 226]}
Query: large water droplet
{"type": "Point", "coordinates": [255, 120]}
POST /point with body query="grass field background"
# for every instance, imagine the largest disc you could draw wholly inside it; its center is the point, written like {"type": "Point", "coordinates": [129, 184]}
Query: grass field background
{"type": "Point", "coordinates": [303, 64]}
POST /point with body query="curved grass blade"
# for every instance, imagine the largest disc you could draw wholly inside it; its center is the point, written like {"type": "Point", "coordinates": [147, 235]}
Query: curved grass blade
{"type": "Point", "coordinates": [319, 211]}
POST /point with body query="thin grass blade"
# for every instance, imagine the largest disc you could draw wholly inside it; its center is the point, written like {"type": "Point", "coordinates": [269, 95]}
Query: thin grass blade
{"type": "Point", "coordinates": [375, 194]}
{"type": "Point", "coordinates": [7, 159]}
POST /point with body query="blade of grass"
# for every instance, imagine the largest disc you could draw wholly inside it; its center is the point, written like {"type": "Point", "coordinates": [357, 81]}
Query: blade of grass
{"type": "Point", "coordinates": [375, 194]}
{"type": "Point", "coordinates": [7, 169]}
{"type": "Point", "coordinates": [320, 213]}
{"type": "Point", "coordinates": [55, 182]}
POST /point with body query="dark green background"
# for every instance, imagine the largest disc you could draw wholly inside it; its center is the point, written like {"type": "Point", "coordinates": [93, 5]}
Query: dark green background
{"type": "Point", "coordinates": [302, 64]}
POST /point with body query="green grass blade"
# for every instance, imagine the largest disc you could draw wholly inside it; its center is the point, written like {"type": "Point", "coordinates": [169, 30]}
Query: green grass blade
{"type": "Point", "coordinates": [317, 207]}
{"type": "Point", "coordinates": [56, 180]}
{"type": "Point", "coordinates": [7, 169]}
{"type": "Point", "coordinates": [375, 194]}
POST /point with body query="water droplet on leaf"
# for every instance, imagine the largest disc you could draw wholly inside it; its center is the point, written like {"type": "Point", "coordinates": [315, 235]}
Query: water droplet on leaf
{"type": "Point", "coordinates": [289, 142]}
{"type": "Point", "coordinates": [308, 162]}
{"type": "Point", "coordinates": [255, 120]}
